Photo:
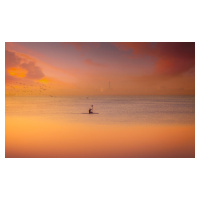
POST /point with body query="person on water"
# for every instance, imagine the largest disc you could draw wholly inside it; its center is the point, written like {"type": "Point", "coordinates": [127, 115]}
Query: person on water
{"type": "Point", "coordinates": [91, 110]}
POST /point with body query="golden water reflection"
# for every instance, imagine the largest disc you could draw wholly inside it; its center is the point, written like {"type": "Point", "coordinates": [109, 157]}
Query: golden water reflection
{"type": "Point", "coordinates": [35, 137]}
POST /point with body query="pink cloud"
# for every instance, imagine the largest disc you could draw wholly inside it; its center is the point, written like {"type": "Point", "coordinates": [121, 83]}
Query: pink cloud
{"type": "Point", "coordinates": [173, 58]}
{"type": "Point", "coordinates": [93, 63]}
{"type": "Point", "coordinates": [13, 60]}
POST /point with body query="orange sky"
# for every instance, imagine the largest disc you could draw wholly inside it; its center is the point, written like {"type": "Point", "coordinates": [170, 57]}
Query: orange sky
{"type": "Point", "coordinates": [100, 69]}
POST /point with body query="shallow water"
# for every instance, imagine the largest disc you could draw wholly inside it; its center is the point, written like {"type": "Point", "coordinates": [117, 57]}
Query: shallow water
{"type": "Point", "coordinates": [126, 126]}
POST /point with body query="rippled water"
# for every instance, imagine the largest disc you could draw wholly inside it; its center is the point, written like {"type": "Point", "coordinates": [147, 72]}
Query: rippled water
{"type": "Point", "coordinates": [126, 126]}
{"type": "Point", "coordinates": [111, 109]}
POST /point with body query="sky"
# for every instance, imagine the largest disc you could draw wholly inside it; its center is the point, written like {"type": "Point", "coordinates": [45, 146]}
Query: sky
{"type": "Point", "coordinates": [99, 68]}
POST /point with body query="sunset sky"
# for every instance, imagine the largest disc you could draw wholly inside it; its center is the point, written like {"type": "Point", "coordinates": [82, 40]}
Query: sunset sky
{"type": "Point", "coordinates": [99, 68]}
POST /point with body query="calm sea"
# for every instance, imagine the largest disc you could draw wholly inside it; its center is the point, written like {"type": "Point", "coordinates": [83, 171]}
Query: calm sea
{"type": "Point", "coordinates": [126, 126]}
{"type": "Point", "coordinates": [111, 109]}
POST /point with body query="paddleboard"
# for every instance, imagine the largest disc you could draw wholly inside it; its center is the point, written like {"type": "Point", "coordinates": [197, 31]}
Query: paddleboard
{"type": "Point", "coordinates": [89, 113]}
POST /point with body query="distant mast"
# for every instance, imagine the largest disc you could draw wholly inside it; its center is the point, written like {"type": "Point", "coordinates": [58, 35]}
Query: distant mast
{"type": "Point", "coordinates": [109, 88]}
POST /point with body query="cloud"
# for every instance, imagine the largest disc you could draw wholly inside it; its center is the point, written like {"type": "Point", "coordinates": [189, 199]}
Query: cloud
{"type": "Point", "coordinates": [135, 47]}
{"type": "Point", "coordinates": [82, 46]}
{"type": "Point", "coordinates": [77, 45]}
{"type": "Point", "coordinates": [173, 58]}
{"type": "Point", "coordinates": [33, 72]}
{"type": "Point", "coordinates": [16, 65]}
{"type": "Point", "coordinates": [93, 63]}
{"type": "Point", "coordinates": [11, 59]}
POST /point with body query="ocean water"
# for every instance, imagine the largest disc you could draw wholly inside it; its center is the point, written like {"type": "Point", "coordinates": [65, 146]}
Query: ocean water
{"type": "Point", "coordinates": [111, 109]}
{"type": "Point", "coordinates": [125, 127]}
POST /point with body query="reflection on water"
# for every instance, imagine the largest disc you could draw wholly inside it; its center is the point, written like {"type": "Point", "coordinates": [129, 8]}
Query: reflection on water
{"type": "Point", "coordinates": [117, 109]}
{"type": "Point", "coordinates": [126, 126]}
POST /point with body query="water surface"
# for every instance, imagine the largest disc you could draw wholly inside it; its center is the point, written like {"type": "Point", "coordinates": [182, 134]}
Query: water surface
{"type": "Point", "coordinates": [126, 126]}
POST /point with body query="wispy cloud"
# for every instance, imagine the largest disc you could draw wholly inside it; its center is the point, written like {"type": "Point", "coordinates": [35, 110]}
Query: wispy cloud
{"type": "Point", "coordinates": [93, 63]}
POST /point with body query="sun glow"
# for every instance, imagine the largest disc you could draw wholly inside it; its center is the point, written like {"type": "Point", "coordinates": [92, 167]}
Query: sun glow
{"type": "Point", "coordinates": [44, 80]}
{"type": "Point", "coordinates": [17, 72]}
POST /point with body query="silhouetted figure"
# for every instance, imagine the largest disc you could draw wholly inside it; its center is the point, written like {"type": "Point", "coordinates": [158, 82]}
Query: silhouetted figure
{"type": "Point", "coordinates": [91, 110]}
